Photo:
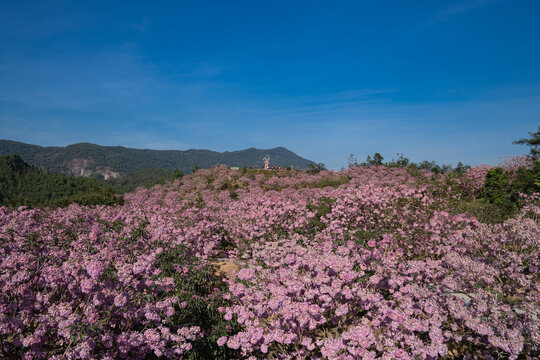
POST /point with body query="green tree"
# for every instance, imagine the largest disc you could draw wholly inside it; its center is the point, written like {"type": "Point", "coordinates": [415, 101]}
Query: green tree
{"type": "Point", "coordinates": [316, 168]}
{"type": "Point", "coordinates": [401, 161]}
{"type": "Point", "coordinates": [495, 185]}
{"type": "Point", "coordinates": [533, 142]}
{"type": "Point", "coordinates": [321, 167]}
{"type": "Point", "coordinates": [177, 174]}
{"type": "Point", "coordinates": [460, 168]}
{"type": "Point", "coordinates": [377, 160]}
{"type": "Point", "coordinates": [352, 162]}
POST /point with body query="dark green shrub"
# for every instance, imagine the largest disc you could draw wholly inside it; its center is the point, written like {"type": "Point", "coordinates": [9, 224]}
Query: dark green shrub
{"type": "Point", "coordinates": [482, 210]}
{"type": "Point", "coordinates": [201, 291]}
{"type": "Point", "coordinates": [495, 186]}
{"type": "Point", "coordinates": [177, 174]}
{"type": "Point", "coordinates": [97, 196]}
{"type": "Point", "coordinates": [526, 181]}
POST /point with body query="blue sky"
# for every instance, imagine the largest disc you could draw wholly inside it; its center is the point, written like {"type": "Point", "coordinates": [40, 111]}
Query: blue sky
{"type": "Point", "coordinates": [435, 80]}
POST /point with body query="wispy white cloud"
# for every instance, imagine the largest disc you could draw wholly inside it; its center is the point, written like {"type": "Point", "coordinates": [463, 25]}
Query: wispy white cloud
{"type": "Point", "coordinates": [342, 97]}
{"type": "Point", "coordinates": [143, 25]}
{"type": "Point", "coordinates": [454, 10]}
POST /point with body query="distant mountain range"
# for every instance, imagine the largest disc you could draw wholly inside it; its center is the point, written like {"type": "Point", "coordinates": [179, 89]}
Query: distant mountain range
{"type": "Point", "coordinates": [91, 160]}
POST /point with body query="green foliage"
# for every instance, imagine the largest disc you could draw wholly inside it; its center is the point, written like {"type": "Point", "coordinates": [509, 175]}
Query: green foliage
{"type": "Point", "coordinates": [435, 168]}
{"type": "Point", "coordinates": [98, 195]}
{"type": "Point", "coordinates": [362, 236]}
{"type": "Point", "coordinates": [483, 210]}
{"type": "Point", "coordinates": [501, 194]}
{"type": "Point", "coordinates": [177, 174]}
{"type": "Point", "coordinates": [201, 290]}
{"type": "Point", "coordinates": [322, 183]}
{"type": "Point", "coordinates": [145, 178]}
{"type": "Point", "coordinates": [376, 160]}
{"type": "Point", "coordinates": [525, 181]}
{"type": "Point", "coordinates": [321, 209]}
{"type": "Point", "coordinates": [316, 168]}
{"type": "Point", "coordinates": [501, 198]}
{"type": "Point", "coordinates": [495, 186]}
{"type": "Point", "coordinates": [352, 162]}
{"type": "Point", "coordinates": [24, 185]}
{"type": "Point", "coordinates": [460, 168]}
{"type": "Point", "coordinates": [403, 161]}
{"type": "Point", "coordinates": [533, 142]}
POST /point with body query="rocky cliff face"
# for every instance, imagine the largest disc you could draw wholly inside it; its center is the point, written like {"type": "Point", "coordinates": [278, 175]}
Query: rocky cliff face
{"type": "Point", "coordinates": [86, 167]}
{"type": "Point", "coordinates": [79, 167]}
{"type": "Point", "coordinates": [109, 174]}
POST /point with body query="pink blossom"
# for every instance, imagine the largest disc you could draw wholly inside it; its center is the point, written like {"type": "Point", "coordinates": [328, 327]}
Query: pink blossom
{"type": "Point", "coordinates": [95, 269]}
{"type": "Point", "coordinates": [222, 340]}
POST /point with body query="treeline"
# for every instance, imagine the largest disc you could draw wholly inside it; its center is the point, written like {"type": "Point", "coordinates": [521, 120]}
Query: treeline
{"type": "Point", "coordinates": [403, 161]}
{"type": "Point", "coordinates": [25, 185]}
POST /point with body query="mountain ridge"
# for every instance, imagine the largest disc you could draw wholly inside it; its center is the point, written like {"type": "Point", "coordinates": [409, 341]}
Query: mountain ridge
{"type": "Point", "coordinates": [92, 160]}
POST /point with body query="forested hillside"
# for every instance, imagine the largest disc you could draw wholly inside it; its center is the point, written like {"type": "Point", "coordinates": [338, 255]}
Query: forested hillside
{"type": "Point", "coordinates": [87, 159]}
{"type": "Point", "coordinates": [25, 185]}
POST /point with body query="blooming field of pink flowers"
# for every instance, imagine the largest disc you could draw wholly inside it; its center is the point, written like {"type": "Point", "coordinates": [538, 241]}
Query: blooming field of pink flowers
{"type": "Point", "coordinates": [366, 263]}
